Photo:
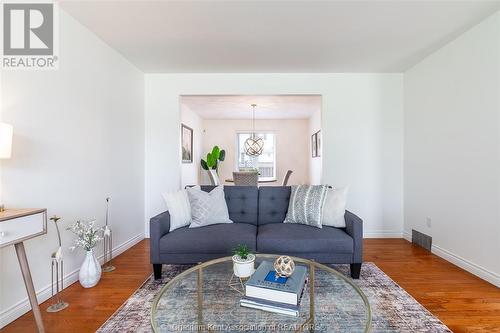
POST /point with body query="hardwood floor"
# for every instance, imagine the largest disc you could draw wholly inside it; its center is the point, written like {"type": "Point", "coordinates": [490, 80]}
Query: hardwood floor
{"type": "Point", "coordinates": [90, 308]}
{"type": "Point", "coordinates": [462, 301]}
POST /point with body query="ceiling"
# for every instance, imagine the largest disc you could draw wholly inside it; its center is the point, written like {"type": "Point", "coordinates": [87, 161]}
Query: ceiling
{"type": "Point", "coordinates": [277, 36]}
{"type": "Point", "coordinates": [238, 107]}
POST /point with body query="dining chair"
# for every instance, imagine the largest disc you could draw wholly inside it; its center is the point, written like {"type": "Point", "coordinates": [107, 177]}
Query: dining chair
{"type": "Point", "coordinates": [287, 176]}
{"type": "Point", "coordinates": [245, 178]}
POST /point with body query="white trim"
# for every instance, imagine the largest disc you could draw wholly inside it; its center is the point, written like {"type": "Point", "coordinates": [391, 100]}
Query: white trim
{"type": "Point", "coordinates": [467, 265]}
{"type": "Point", "coordinates": [146, 228]}
{"type": "Point", "coordinates": [383, 234]}
{"type": "Point", "coordinates": [17, 310]}
{"type": "Point", "coordinates": [407, 236]}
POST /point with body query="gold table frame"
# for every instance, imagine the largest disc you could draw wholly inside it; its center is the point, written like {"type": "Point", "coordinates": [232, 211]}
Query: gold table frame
{"type": "Point", "coordinates": [310, 263]}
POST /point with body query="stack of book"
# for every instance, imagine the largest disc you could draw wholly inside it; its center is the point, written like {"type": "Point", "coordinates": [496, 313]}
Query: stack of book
{"type": "Point", "coordinates": [266, 291]}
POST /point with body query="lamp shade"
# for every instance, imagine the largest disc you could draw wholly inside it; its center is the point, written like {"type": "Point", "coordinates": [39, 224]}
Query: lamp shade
{"type": "Point", "coordinates": [6, 131]}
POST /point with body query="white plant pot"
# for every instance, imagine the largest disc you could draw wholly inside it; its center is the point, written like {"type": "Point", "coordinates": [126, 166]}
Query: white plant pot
{"type": "Point", "coordinates": [90, 272]}
{"type": "Point", "coordinates": [243, 268]}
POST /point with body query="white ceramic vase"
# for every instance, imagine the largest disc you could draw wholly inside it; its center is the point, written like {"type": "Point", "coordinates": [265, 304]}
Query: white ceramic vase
{"type": "Point", "coordinates": [243, 268]}
{"type": "Point", "coordinates": [90, 272]}
{"type": "Point", "coordinates": [214, 177]}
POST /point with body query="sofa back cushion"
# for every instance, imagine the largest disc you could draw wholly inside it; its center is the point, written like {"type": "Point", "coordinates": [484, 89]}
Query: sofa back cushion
{"type": "Point", "coordinates": [273, 203]}
{"type": "Point", "coordinates": [241, 202]}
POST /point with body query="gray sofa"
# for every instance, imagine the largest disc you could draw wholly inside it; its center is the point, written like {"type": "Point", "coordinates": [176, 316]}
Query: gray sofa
{"type": "Point", "coordinates": [258, 214]}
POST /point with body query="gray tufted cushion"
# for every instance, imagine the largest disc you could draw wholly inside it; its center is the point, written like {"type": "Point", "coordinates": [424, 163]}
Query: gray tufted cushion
{"type": "Point", "coordinates": [273, 204]}
{"type": "Point", "coordinates": [241, 202]}
{"type": "Point", "coordinates": [215, 238]}
{"type": "Point", "coordinates": [299, 238]}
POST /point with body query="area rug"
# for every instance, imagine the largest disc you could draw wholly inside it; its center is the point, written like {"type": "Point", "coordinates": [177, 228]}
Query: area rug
{"type": "Point", "coordinates": [393, 309]}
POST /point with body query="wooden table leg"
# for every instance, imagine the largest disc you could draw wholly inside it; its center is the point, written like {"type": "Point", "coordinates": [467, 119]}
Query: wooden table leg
{"type": "Point", "coordinates": [28, 282]}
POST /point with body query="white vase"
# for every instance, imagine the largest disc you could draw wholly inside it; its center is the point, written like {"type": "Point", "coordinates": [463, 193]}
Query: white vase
{"type": "Point", "coordinates": [214, 177]}
{"type": "Point", "coordinates": [90, 272]}
{"type": "Point", "coordinates": [243, 268]}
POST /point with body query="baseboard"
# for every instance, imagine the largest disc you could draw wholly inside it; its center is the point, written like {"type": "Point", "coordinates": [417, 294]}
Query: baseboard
{"type": "Point", "coordinates": [467, 265]}
{"type": "Point", "coordinates": [17, 310]}
{"type": "Point", "coordinates": [407, 236]}
{"type": "Point", "coordinates": [382, 234]}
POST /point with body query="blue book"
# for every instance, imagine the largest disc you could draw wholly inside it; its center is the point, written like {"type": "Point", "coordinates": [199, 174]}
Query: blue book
{"type": "Point", "coordinates": [264, 284]}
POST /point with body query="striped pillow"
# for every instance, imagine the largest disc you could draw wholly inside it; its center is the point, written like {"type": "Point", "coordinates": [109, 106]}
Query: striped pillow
{"type": "Point", "coordinates": [306, 205]}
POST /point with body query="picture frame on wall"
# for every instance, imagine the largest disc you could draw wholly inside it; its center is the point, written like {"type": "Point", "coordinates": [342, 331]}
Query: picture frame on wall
{"type": "Point", "coordinates": [187, 144]}
{"type": "Point", "coordinates": [314, 146]}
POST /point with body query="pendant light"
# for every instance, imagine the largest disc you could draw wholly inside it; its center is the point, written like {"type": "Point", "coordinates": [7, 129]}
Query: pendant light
{"type": "Point", "coordinates": [254, 145]}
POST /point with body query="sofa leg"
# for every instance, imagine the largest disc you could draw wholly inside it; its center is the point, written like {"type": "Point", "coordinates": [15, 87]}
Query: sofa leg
{"type": "Point", "coordinates": [355, 270]}
{"type": "Point", "coordinates": [157, 271]}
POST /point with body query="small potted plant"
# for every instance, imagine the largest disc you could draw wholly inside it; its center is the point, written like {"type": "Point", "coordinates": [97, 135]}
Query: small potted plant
{"type": "Point", "coordinates": [243, 261]}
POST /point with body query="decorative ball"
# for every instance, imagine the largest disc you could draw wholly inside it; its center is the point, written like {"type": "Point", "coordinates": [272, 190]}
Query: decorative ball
{"type": "Point", "coordinates": [254, 146]}
{"type": "Point", "coordinates": [284, 266]}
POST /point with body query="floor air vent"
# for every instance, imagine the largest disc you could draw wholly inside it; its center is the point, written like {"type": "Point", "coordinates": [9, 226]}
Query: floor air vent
{"type": "Point", "coordinates": [421, 239]}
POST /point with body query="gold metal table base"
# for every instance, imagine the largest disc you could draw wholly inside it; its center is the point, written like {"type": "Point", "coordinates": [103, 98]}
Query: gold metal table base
{"type": "Point", "coordinates": [237, 284]}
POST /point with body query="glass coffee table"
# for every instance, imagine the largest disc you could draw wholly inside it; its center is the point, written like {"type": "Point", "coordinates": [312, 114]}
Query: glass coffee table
{"type": "Point", "coordinates": [200, 299]}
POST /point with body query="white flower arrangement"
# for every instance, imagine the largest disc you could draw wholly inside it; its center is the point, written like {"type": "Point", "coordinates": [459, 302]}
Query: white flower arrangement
{"type": "Point", "coordinates": [87, 235]}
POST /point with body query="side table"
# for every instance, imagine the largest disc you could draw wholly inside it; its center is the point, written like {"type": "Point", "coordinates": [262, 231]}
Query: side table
{"type": "Point", "coordinates": [16, 226]}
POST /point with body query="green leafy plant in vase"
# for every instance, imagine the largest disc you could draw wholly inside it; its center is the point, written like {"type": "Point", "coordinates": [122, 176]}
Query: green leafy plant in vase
{"type": "Point", "coordinates": [212, 163]}
{"type": "Point", "coordinates": [243, 261]}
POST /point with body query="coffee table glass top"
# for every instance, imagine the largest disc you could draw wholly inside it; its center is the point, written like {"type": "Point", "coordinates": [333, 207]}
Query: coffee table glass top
{"type": "Point", "coordinates": [200, 299]}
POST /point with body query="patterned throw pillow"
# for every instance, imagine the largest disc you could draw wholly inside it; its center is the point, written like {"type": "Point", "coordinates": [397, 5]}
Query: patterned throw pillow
{"type": "Point", "coordinates": [207, 208]}
{"type": "Point", "coordinates": [306, 205]}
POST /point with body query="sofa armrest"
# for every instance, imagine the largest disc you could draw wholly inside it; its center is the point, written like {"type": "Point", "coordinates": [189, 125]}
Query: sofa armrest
{"type": "Point", "coordinates": [158, 227]}
{"type": "Point", "coordinates": [354, 228]}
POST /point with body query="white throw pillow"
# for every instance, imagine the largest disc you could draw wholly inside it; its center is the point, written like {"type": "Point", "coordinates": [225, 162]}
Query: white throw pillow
{"type": "Point", "coordinates": [334, 207]}
{"type": "Point", "coordinates": [179, 208]}
{"type": "Point", "coordinates": [207, 208]}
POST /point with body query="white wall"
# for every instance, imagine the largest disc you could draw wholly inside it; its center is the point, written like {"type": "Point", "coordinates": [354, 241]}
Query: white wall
{"type": "Point", "coordinates": [78, 138]}
{"type": "Point", "coordinates": [452, 149]}
{"type": "Point", "coordinates": [190, 172]}
{"type": "Point", "coordinates": [362, 125]}
{"type": "Point", "coordinates": [315, 163]}
{"type": "Point", "coordinates": [291, 144]}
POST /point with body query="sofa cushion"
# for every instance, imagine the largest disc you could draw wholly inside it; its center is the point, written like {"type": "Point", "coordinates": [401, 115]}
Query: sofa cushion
{"type": "Point", "coordinates": [241, 202]}
{"type": "Point", "coordinates": [306, 205]}
{"type": "Point", "coordinates": [216, 238]}
{"type": "Point", "coordinates": [207, 207]}
{"type": "Point", "coordinates": [273, 204]}
{"type": "Point", "coordinates": [286, 238]}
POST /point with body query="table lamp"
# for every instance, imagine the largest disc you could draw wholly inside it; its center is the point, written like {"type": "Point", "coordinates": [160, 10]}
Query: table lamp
{"type": "Point", "coordinates": [5, 146]}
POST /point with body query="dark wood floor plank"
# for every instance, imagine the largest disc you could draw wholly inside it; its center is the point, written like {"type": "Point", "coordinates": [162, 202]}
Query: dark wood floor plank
{"type": "Point", "coordinates": [461, 300]}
